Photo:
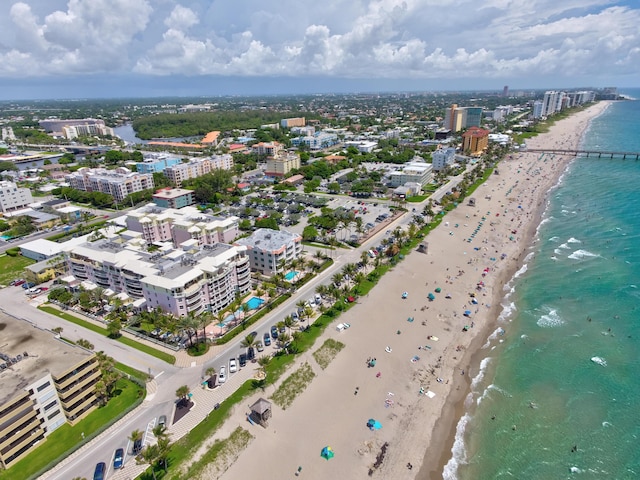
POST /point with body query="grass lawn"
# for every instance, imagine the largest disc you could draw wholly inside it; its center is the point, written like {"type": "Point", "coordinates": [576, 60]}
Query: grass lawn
{"type": "Point", "coordinates": [11, 268]}
{"type": "Point", "coordinates": [417, 198]}
{"type": "Point", "coordinates": [103, 331]}
{"type": "Point", "coordinates": [67, 437]}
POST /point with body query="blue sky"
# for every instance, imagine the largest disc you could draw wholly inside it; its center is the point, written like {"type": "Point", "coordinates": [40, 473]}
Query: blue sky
{"type": "Point", "coordinates": [121, 48]}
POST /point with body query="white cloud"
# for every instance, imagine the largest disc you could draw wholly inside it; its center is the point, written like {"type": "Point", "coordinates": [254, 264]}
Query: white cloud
{"type": "Point", "coordinates": [342, 38]}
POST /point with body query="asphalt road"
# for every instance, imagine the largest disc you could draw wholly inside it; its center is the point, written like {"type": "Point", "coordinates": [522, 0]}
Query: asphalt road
{"type": "Point", "coordinates": [170, 378]}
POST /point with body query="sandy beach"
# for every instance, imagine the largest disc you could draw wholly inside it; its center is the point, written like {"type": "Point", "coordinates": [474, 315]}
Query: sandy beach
{"type": "Point", "coordinates": [424, 367]}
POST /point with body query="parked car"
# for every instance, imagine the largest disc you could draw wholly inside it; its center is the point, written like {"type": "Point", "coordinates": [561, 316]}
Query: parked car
{"type": "Point", "coordinates": [243, 359]}
{"type": "Point", "coordinates": [137, 446]}
{"type": "Point", "coordinates": [267, 339]}
{"type": "Point", "coordinates": [118, 459]}
{"type": "Point", "coordinates": [98, 473]}
{"type": "Point", "coordinates": [162, 421]}
{"type": "Point", "coordinates": [274, 332]}
{"type": "Point", "coordinates": [233, 365]}
{"type": "Point", "coordinates": [19, 282]}
{"type": "Point", "coordinates": [222, 374]}
{"type": "Point", "coordinates": [259, 346]}
{"type": "Point", "coordinates": [251, 354]}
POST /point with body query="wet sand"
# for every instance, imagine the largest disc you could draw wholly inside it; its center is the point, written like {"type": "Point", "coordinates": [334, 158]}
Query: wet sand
{"type": "Point", "coordinates": [333, 410]}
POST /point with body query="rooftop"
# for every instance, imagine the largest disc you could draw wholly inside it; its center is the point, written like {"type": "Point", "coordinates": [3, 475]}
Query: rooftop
{"type": "Point", "coordinates": [269, 240]}
{"type": "Point", "coordinates": [41, 353]}
{"type": "Point", "coordinates": [170, 193]}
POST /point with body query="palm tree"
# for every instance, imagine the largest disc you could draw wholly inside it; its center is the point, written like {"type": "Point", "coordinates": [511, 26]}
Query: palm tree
{"type": "Point", "coordinates": [183, 393]}
{"type": "Point", "coordinates": [150, 455]}
{"type": "Point", "coordinates": [364, 258]}
{"type": "Point", "coordinates": [283, 340]}
{"type": "Point", "coordinates": [319, 256]}
{"type": "Point", "coordinates": [337, 278]}
{"type": "Point", "coordinates": [288, 322]}
{"type": "Point", "coordinates": [248, 341]}
{"type": "Point", "coordinates": [210, 372]}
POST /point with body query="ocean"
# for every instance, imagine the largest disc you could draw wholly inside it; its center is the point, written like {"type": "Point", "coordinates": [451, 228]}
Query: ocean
{"type": "Point", "coordinates": [558, 394]}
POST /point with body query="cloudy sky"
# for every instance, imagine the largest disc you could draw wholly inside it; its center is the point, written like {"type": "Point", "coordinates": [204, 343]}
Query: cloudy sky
{"type": "Point", "coordinates": [114, 48]}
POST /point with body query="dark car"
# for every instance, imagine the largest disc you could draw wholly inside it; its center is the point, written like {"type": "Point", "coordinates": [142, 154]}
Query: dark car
{"type": "Point", "coordinates": [98, 473]}
{"type": "Point", "coordinates": [243, 359]}
{"type": "Point", "coordinates": [251, 354]}
{"type": "Point", "coordinates": [266, 339]}
{"type": "Point", "coordinates": [274, 332]}
{"type": "Point", "coordinates": [118, 458]}
{"type": "Point", "coordinates": [137, 446]}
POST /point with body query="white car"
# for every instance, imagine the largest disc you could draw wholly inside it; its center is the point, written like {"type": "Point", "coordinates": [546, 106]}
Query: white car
{"type": "Point", "coordinates": [233, 365]}
{"type": "Point", "coordinates": [222, 374]}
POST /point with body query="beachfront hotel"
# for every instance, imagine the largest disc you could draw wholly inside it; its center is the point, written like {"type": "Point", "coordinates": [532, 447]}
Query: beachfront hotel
{"type": "Point", "coordinates": [183, 280]}
{"type": "Point", "coordinates": [46, 383]}
{"type": "Point", "coordinates": [475, 140]}
{"type": "Point", "coordinates": [269, 248]}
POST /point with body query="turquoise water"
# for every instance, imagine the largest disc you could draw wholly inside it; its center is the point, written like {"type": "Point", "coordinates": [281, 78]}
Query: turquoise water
{"type": "Point", "coordinates": [254, 303]}
{"type": "Point", "coordinates": [230, 318]}
{"type": "Point", "coordinates": [291, 275]}
{"type": "Point", "coordinates": [541, 392]}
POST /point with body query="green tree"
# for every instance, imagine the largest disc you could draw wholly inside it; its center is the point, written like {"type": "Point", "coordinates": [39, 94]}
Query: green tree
{"type": "Point", "coordinates": [310, 233]}
{"type": "Point", "coordinates": [183, 394]}
{"type": "Point", "coordinates": [114, 326]}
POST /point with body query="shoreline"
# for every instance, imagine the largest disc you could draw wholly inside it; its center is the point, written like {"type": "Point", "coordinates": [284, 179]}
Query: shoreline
{"type": "Point", "coordinates": [446, 429]}
{"type": "Point", "coordinates": [425, 367]}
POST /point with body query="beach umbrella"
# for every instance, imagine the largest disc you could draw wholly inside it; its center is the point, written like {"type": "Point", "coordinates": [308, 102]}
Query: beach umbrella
{"type": "Point", "coordinates": [467, 313]}
{"type": "Point", "coordinates": [438, 290]}
{"type": "Point", "coordinates": [327, 453]}
{"type": "Point", "coordinates": [431, 296]}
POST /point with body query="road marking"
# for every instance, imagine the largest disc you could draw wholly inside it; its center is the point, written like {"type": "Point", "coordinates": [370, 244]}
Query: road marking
{"type": "Point", "coordinates": [159, 374]}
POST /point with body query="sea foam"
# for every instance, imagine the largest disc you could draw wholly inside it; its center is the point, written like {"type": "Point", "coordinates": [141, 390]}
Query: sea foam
{"type": "Point", "coordinates": [551, 319]}
{"type": "Point", "coordinates": [581, 254]}
{"type": "Point", "coordinates": [458, 451]}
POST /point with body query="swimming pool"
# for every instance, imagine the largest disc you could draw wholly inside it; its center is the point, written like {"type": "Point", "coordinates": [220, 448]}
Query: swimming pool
{"type": "Point", "coordinates": [254, 302]}
{"type": "Point", "coordinates": [291, 275]}
{"type": "Point", "coordinates": [229, 318]}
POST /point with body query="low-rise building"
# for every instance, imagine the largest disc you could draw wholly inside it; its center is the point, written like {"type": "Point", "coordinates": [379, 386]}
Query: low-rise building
{"type": "Point", "coordinates": [267, 148]}
{"type": "Point", "coordinates": [46, 383]}
{"type": "Point", "coordinates": [316, 141]}
{"type": "Point", "coordinates": [118, 183]}
{"type": "Point", "coordinates": [442, 158]}
{"type": "Point", "coordinates": [73, 128]}
{"type": "Point", "coordinates": [196, 167]}
{"type": "Point", "coordinates": [156, 162]}
{"type": "Point", "coordinates": [173, 198]}
{"type": "Point", "coordinates": [415, 171]}
{"type": "Point", "coordinates": [282, 164]}
{"type": "Point", "coordinates": [13, 197]}
{"type": "Point", "coordinates": [364, 146]}
{"type": "Point", "coordinates": [180, 225]}
{"type": "Point", "coordinates": [269, 249]}
{"type": "Point", "coordinates": [292, 122]}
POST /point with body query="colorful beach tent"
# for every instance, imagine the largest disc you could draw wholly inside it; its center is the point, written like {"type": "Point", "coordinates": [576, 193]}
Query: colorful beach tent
{"type": "Point", "coordinates": [438, 290]}
{"type": "Point", "coordinates": [431, 296]}
{"type": "Point", "coordinates": [327, 453]}
{"type": "Point", "coordinates": [374, 424]}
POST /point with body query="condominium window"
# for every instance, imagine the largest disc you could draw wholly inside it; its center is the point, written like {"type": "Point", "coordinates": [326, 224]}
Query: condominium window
{"type": "Point", "coordinates": [49, 417]}
{"type": "Point", "coordinates": [51, 405]}
{"type": "Point", "coordinates": [43, 386]}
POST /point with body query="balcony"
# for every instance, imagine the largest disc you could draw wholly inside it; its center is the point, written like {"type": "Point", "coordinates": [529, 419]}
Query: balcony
{"type": "Point", "coordinates": [10, 431]}
{"type": "Point", "coordinates": [79, 408]}
{"type": "Point", "coordinates": [74, 374]}
{"type": "Point", "coordinates": [9, 413]}
{"type": "Point", "coordinates": [29, 439]}
{"type": "Point", "coordinates": [66, 397]}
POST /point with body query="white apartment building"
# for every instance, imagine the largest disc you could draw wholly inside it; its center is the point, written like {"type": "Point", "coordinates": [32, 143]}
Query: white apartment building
{"type": "Point", "coordinates": [13, 197]}
{"type": "Point", "coordinates": [196, 167]}
{"type": "Point", "coordinates": [268, 248]}
{"type": "Point", "coordinates": [118, 183]}
{"type": "Point", "coordinates": [181, 225]}
{"type": "Point", "coordinates": [282, 164]}
{"type": "Point", "coordinates": [442, 158]}
{"type": "Point", "coordinates": [178, 281]}
{"type": "Point", "coordinates": [416, 171]}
